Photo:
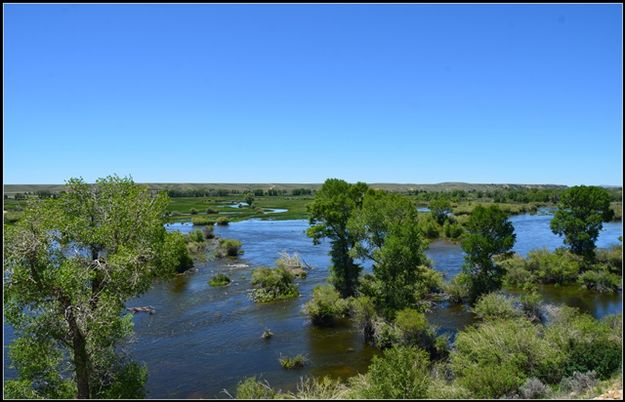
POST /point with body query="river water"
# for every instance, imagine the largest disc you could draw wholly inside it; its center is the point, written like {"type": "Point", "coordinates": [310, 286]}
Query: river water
{"type": "Point", "coordinates": [203, 340]}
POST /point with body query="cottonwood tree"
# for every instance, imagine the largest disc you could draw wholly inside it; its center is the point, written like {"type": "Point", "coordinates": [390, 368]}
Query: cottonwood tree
{"type": "Point", "coordinates": [440, 208]}
{"type": "Point", "coordinates": [388, 234]}
{"type": "Point", "coordinates": [330, 211]}
{"type": "Point", "coordinates": [488, 232]}
{"type": "Point", "coordinates": [70, 264]}
{"type": "Point", "coordinates": [580, 216]}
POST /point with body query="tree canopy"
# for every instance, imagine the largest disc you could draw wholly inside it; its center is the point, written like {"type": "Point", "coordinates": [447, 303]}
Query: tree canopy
{"type": "Point", "coordinates": [329, 213]}
{"type": "Point", "coordinates": [489, 232]}
{"type": "Point", "coordinates": [580, 216]}
{"type": "Point", "coordinates": [70, 264]}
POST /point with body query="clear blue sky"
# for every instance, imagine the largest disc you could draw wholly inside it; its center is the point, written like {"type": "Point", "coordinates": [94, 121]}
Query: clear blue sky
{"type": "Point", "coordinates": [300, 93]}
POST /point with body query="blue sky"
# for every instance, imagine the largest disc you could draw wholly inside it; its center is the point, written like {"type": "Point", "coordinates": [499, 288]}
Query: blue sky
{"type": "Point", "coordinates": [300, 93]}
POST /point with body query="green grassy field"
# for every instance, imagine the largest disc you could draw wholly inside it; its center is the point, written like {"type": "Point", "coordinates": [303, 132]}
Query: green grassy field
{"type": "Point", "coordinates": [181, 207]}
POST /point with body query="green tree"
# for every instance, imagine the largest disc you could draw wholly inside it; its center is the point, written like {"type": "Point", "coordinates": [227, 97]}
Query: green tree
{"type": "Point", "coordinates": [388, 234]}
{"type": "Point", "coordinates": [249, 198]}
{"type": "Point", "coordinates": [581, 212]}
{"type": "Point", "coordinates": [439, 208]}
{"type": "Point", "coordinates": [69, 266]}
{"type": "Point", "coordinates": [489, 232]}
{"type": "Point", "coordinates": [330, 211]}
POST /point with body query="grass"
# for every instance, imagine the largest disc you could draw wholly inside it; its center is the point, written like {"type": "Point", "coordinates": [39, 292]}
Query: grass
{"type": "Point", "coordinates": [296, 361]}
{"type": "Point", "coordinates": [219, 280]}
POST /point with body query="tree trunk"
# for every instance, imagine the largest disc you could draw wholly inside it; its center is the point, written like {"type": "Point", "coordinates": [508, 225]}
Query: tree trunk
{"type": "Point", "coordinates": [81, 363]}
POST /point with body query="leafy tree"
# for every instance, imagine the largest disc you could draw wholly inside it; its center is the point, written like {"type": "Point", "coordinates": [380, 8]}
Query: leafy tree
{"type": "Point", "coordinates": [489, 232]}
{"type": "Point", "coordinates": [330, 211]}
{"type": "Point", "coordinates": [69, 266]}
{"type": "Point", "coordinates": [581, 212]}
{"type": "Point", "coordinates": [440, 207]}
{"type": "Point", "coordinates": [387, 230]}
{"type": "Point", "coordinates": [249, 198]}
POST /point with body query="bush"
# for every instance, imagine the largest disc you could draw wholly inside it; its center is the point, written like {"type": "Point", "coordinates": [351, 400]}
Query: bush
{"type": "Point", "coordinates": [293, 263]}
{"type": "Point", "coordinates": [414, 330]}
{"type": "Point", "coordinates": [495, 306]}
{"type": "Point", "coordinates": [272, 284]}
{"type": "Point", "coordinates": [579, 382]}
{"type": "Point", "coordinates": [559, 267]}
{"type": "Point", "coordinates": [219, 280]}
{"type": "Point", "coordinates": [600, 280]}
{"type": "Point", "coordinates": [588, 344]}
{"type": "Point", "coordinates": [175, 252]}
{"type": "Point", "coordinates": [494, 359]}
{"type": "Point", "coordinates": [452, 230]}
{"type": "Point", "coordinates": [229, 247]}
{"type": "Point", "coordinates": [428, 226]}
{"type": "Point", "coordinates": [458, 288]}
{"type": "Point", "coordinates": [202, 220]}
{"type": "Point", "coordinates": [193, 211]}
{"type": "Point", "coordinates": [296, 361]}
{"type": "Point", "coordinates": [251, 388]}
{"type": "Point", "coordinates": [517, 274]}
{"type": "Point", "coordinates": [612, 258]}
{"type": "Point", "coordinates": [211, 211]}
{"type": "Point", "coordinates": [320, 388]}
{"type": "Point", "coordinates": [196, 236]}
{"type": "Point", "coordinates": [326, 306]}
{"type": "Point", "coordinates": [208, 232]}
{"type": "Point", "coordinates": [223, 221]}
{"type": "Point", "coordinates": [530, 305]}
{"type": "Point", "coordinates": [363, 310]}
{"type": "Point", "coordinates": [401, 373]}
{"type": "Point", "coordinates": [533, 388]}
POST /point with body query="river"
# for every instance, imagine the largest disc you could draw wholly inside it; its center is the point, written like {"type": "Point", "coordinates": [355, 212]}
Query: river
{"type": "Point", "coordinates": [203, 340]}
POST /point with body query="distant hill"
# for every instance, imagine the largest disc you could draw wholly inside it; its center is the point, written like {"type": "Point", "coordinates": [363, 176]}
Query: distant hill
{"type": "Point", "coordinates": [400, 187]}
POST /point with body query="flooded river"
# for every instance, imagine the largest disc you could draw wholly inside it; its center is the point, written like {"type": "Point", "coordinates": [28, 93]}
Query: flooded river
{"type": "Point", "coordinates": [203, 340]}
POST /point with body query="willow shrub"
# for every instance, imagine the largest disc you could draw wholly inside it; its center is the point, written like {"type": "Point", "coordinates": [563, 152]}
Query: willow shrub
{"type": "Point", "coordinates": [495, 358]}
{"type": "Point", "coordinates": [559, 267]}
{"type": "Point", "coordinates": [588, 344]}
{"type": "Point", "coordinates": [402, 372]}
{"type": "Point", "coordinates": [495, 306]}
{"type": "Point", "coordinates": [326, 306]}
{"type": "Point", "coordinates": [229, 248]}
{"type": "Point", "coordinates": [272, 284]}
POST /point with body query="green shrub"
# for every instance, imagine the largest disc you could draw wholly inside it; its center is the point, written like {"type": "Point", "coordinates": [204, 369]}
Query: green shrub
{"type": "Point", "coordinates": [219, 280]}
{"type": "Point", "coordinates": [495, 358]}
{"type": "Point", "coordinates": [211, 211]}
{"type": "Point", "coordinates": [612, 257]}
{"type": "Point", "coordinates": [296, 361]}
{"type": "Point", "coordinates": [229, 247]}
{"type": "Point", "coordinates": [588, 344]}
{"type": "Point", "coordinates": [452, 230]}
{"type": "Point", "coordinates": [326, 306]}
{"type": "Point", "coordinates": [533, 388]}
{"type": "Point", "coordinates": [208, 232]}
{"type": "Point", "coordinates": [196, 236]}
{"type": "Point", "coordinates": [385, 335]}
{"type": "Point", "coordinates": [272, 284]}
{"type": "Point", "coordinates": [401, 373]}
{"type": "Point", "coordinates": [428, 226]}
{"type": "Point", "coordinates": [193, 211]}
{"type": "Point", "coordinates": [320, 388]}
{"type": "Point", "coordinates": [363, 310]}
{"type": "Point", "coordinates": [600, 280]}
{"type": "Point", "coordinates": [495, 306]}
{"type": "Point", "coordinates": [559, 267]}
{"type": "Point", "coordinates": [201, 220]}
{"type": "Point", "coordinates": [517, 274]}
{"type": "Point", "coordinates": [223, 221]}
{"type": "Point", "coordinates": [251, 388]}
{"type": "Point", "coordinates": [530, 305]}
{"type": "Point", "coordinates": [175, 252]}
{"type": "Point", "coordinates": [458, 288]}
